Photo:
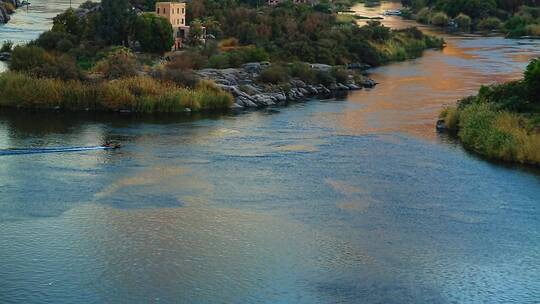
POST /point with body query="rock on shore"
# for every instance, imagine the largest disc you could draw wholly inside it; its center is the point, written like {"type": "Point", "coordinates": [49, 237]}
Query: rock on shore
{"type": "Point", "coordinates": [4, 13]}
{"type": "Point", "coordinates": [248, 93]}
{"type": "Point", "coordinates": [4, 16]}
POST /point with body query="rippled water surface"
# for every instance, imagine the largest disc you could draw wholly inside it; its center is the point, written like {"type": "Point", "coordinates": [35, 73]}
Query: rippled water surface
{"type": "Point", "coordinates": [329, 201]}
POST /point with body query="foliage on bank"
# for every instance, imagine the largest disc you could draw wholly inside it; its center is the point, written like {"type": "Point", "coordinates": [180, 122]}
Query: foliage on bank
{"type": "Point", "coordinates": [291, 32]}
{"type": "Point", "coordinates": [502, 121]}
{"type": "Point", "coordinates": [516, 18]}
{"type": "Point", "coordinates": [135, 94]}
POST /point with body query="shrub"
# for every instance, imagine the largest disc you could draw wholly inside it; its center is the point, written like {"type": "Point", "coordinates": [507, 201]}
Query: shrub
{"type": "Point", "coordinates": [56, 40]}
{"type": "Point", "coordinates": [238, 56]}
{"type": "Point", "coordinates": [117, 64]}
{"type": "Point", "coordinates": [274, 75]}
{"type": "Point", "coordinates": [516, 26]}
{"type": "Point", "coordinates": [532, 80]}
{"type": "Point", "coordinates": [7, 47]}
{"type": "Point", "coordinates": [424, 15]}
{"type": "Point", "coordinates": [36, 61]}
{"type": "Point", "coordinates": [219, 61]}
{"type": "Point", "coordinates": [340, 75]}
{"type": "Point", "coordinates": [450, 115]}
{"type": "Point", "coordinates": [25, 58]}
{"type": "Point", "coordinates": [185, 78]}
{"type": "Point", "coordinates": [254, 54]}
{"type": "Point", "coordinates": [61, 67]}
{"type": "Point", "coordinates": [68, 22]}
{"type": "Point", "coordinates": [377, 31]}
{"type": "Point", "coordinates": [464, 22]}
{"type": "Point", "coordinates": [440, 19]}
{"type": "Point", "coordinates": [325, 78]}
{"type": "Point", "coordinates": [533, 29]}
{"type": "Point", "coordinates": [154, 33]}
{"type": "Point", "coordinates": [187, 60]}
{"type": "Point", "coordinates": [490, 23]}
{"type": "Point", "coordinates": [228, 44]}
{"type": "Point", "coordinates": [303, 72]}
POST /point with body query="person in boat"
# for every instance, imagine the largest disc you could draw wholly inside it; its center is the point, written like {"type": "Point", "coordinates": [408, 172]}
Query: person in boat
{"type": "Point", "coordinates": [112, 145]}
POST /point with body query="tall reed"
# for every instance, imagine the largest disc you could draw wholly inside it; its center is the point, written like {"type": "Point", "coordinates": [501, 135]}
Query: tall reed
{"type": "Point", "coordinates": [137, 94]}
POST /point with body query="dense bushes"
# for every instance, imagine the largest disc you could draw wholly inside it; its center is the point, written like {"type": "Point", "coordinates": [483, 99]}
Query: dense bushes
{"type": "Point", "coordinates": [440, 19]}
{"type": "Point", "coordinates": [502, 121]}
{"type": "Point", "coordinates": [138, 94]}
{"type": "Point", "coordinates": [36, 61]}
{"type": "Point", "coordinates": [117, 64]}
{"type": "Point", "coordinates": [499, 134]}
{"type": "Point", "coordinates": [289, 33]}
{"type": "Point", "coordinates": [7, 46]}
{"type": "Point", "coordinates": [181, 77]}
{"type": "Point", "coordinates": [515, 17]}
{"type": "Point", "coordinates": [154, 33]}
{"type": "Point", "coordinates": [274, 75]}
{"type": "Point", "coordinates": [405, 44]}
{"type": "Point", "coordinates": [532, 80]}
{"type": "Point", "coordinates": [235, 57]}
{"type": "Point", "coordinates": [464, 22]}
{"type": "Point", "coordinates": [488, 24]}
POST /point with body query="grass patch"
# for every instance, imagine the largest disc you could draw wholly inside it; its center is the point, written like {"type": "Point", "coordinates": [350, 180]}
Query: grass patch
{"type": "Point", "coordinates": [137, 94]}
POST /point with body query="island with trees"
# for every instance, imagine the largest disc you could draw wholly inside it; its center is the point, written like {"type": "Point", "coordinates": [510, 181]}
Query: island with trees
{"type": "Point", "coordinates": [514, 18]}
{"type": "Point", "coordinates": [503, 121]}
{"type": "Point", "coordinates": [116, 56]}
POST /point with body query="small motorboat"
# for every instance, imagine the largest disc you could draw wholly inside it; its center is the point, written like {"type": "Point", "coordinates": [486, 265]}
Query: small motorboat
{"type": "Point", "coordinates": [112, 145]}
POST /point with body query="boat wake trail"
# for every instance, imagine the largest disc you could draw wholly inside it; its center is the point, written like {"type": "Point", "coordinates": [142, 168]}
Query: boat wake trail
{"type": "Point", "coordinates": [7, 152]}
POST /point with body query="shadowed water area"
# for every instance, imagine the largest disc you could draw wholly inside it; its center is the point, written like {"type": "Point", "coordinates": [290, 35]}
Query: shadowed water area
{"type": "Point", "coordinates": [329, 201]}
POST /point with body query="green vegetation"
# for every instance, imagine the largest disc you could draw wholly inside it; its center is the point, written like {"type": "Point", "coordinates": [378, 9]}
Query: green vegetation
{"type": "Point", "coordinates": [291, 32]}
{"type": "Point", "coordinates": [153, 33]}
{"type": "Point", "coordinates": [137, 94]}
{"type": "Point", "coordinates": [6, 47]}
{"type": "Point", "coordinates": [502, 121]}
{"type": "Point", "coordinates": [516, 18]}
{"type": "Point", "coordinates": [463, 22]}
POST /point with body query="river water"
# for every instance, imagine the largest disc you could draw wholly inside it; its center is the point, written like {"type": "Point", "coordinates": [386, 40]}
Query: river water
{"type": "Point", "coordinates": [329, 201]}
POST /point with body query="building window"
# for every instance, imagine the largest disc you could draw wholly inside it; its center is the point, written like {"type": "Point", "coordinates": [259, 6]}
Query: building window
{"type": "Point", "coordinates": [158, 10]}
{"type": "Point", "coordinates": [182, 20]}
{"type": "Point", "coordinates": [164, 10]}
{"type": "Point", "coordinates": [182, 10]}
{"type": "Point", "coordinates": [178, 11]}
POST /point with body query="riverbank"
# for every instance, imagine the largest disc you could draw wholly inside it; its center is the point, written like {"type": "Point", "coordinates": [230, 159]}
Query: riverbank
{"type": "Point", "coordinates": [502, 122]}
{"type": "Point", "coordinates": [513, 19]}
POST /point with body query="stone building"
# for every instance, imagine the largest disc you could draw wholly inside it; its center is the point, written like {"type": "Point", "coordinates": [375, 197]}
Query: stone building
{"type": "Point", "coordinates": [175, 12]}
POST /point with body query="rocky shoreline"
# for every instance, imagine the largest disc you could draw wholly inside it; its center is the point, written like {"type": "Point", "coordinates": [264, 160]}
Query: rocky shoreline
{"type": "Point", "coordinates": [249, 93]}
{"type": "Point", "coordinates": [5, 11]}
